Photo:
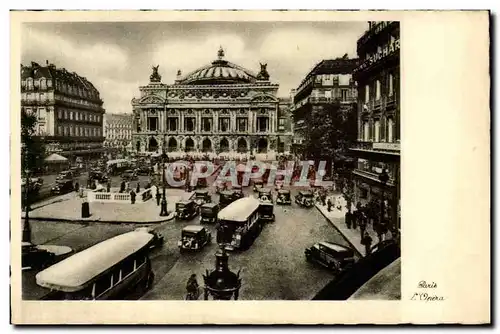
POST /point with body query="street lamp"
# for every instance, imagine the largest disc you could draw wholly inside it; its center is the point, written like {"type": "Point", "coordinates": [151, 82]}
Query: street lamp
{"type": "Point", "coordinates": [163, 211]}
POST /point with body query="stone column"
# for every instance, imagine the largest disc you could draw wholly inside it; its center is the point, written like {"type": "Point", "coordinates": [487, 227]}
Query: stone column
{"type": "Point", "coordinates": [216, 121]}
{"type": "Point", "coordinates": [181, 120]}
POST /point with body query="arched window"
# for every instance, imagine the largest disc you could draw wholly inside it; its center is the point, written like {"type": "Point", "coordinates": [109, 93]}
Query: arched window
{"type": "Point", "coordinates": [224, 145]}
{"type": "Point", "coordinates": [172, 145]}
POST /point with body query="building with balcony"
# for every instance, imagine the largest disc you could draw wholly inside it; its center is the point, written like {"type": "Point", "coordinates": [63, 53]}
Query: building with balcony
{"type": "Point", "coordinates": [329, 83]}
{"type": "Point", "coordinates": [378, 146]}
{"type": "Point", "coordinates": [117, 131]}
{"type": "Point", "coordinates": [68, 107]}
{"type": "Point", "coordinates": [220, 108]}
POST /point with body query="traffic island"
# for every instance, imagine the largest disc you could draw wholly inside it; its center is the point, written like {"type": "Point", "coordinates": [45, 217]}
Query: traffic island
{"type": "Point", "coordinates": [147, 212]}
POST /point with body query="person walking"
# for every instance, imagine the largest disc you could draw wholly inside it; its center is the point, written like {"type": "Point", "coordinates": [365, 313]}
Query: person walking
{"type": "Point", "coordinates": [138, 188]}
{"type": "Point", "coordinates": [108, 187]}
{"type": "Point", "coordinates": [158, 197]}
{"type": "Point", "coordinates": [348, 217]}
{"type": "Point", "coordinates": [132, 196]}
{"type": "Point", "coordinates": [362, 223]}
{"type": "Point", "coordinates": [330, 204]}
{"type": "Point", "coordinates": [366, 241]}
{"type": "Point", "coordinates": [192, 288]}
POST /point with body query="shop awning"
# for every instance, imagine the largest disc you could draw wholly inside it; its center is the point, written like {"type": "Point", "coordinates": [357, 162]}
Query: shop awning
{"type": "Point", "coordinates": [56, 158]}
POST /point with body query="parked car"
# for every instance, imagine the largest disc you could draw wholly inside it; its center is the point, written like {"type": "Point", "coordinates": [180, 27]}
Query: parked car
{"type": "Point", "coordinates": [186, 209]}
{"type": "Point", "coordinates": [208, 213]}
{"type": "Point", "coordinates": [129, 175]}
{"type": "Point", "coordinates": [194, 238]}
{"type": "Point", "coordinates": [157, 240]}
{"type": "Point", "coordinates": [62, 187]}
{"type": "Point", "coordinates": [284, 197]}
{"type": "Point", "coordinates": [305, 198]}
{"type": "Point", "coordinates": [330, 255]}
{"type": "Point", "coordinates": [35, 258]}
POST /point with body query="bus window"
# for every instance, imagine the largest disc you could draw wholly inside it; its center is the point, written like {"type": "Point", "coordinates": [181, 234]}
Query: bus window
{"type": "Point", "coordinates": [101, 285]}
{"type": "Point", "coordinates": [127, 268]}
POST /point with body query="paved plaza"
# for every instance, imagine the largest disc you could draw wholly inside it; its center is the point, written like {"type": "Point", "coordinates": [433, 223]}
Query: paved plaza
{"type": "Point", "coordinates": [68, 208]}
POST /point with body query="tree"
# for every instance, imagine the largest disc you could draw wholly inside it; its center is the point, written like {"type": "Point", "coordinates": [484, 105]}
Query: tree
{"type": "Point", "coordinates": [33, 148]}
{"type": "Point", "coordinates": [330, 131]}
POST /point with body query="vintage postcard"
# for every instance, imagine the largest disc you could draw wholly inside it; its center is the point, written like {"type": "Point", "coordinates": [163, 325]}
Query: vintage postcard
{"type": "Point", "coordinates": [279, 167]}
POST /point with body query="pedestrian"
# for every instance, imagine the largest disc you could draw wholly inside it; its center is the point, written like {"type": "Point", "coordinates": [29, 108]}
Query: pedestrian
{"type": "Point", "coordinates": [354, 219]}
{"type": "Point", "coordinates": [138, 189]}
{"type": "Point", "coordinates": [158, 197]}
{"type": "Point", "coordinates": [77, 186]}
{"type": "Point", "coordinates": [366, 241]}
{"type": "Point", "coordinates": [132, 196]}
{"type": "Point", "coordinates": [362, 223]}
{"type": "Point", "coordinates": [348, 219]}
{"type": "Point", "coordinates": [330, 204]}
{"type": "Point", "coordinates": [108, 187]}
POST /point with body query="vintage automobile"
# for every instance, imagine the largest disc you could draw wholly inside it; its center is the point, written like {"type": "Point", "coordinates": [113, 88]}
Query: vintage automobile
{"type": "Point", "coordinates": [35, 258]}
{"type": "Point", "coordinates": [62, 187]}
{"type": "Point", "coordinates": [129, 175]}
{"type": "Point", "coordinates": [265, 195]}
{"type": "Point", "coordinates": [202, 196]}
{"type": "Point", "coordinates": [208, 213]}
{"type": "Point", "coordinates": [266, 212]}
{"type": "Point", "coordinates": [284, 197]}
{"type": "Point", "coordinates": [194, 237]}
{"type": "Point", "coordinates": [226, 197]}
{"type": "Point", "coordinates": [143, 170]}
{"type": "Point", "coordinates": [157, 240]}
{"type": "Point", "coordinates": [257, 184]}
{"type": "Point", "coordinates": [305, 198]}
{"type": "Point", "coordinates": [99, 176]}
{"type": "Point", "coordinates": [186, 209]}
{"type": "Point", "coordinates": [64, 175]}
{"type": "Point", "coordinates": [237, 188]}
{"type": "Point", "coordinates": [330, 255]}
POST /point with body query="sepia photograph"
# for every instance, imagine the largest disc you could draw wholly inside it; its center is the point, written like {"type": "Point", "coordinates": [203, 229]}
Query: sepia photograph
{"type": "Point", "coordinates": [205, 160]}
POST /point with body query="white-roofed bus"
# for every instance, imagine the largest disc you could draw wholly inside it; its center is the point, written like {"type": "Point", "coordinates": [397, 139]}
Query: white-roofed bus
{"type": "Point", "coordinates": [112, 269]}
{"type": "Point", "coordinates": [239, 223]}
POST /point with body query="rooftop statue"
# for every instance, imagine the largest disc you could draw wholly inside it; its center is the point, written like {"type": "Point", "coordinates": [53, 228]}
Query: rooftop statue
{"type": "Point", "coordinates": [155, 77]}
{"type": "Point", "coordinates": [263, 75]}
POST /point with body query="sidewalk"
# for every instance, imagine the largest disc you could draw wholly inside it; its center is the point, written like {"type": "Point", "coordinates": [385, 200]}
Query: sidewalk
{"type": "Point", "coordinates": [68, 208]}
{"type": "Point", "coordinates": [353, 236]}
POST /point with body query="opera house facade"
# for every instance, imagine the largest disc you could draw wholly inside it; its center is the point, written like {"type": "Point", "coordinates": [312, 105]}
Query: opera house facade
{"type": "Point", "coordinates": [220, 109]}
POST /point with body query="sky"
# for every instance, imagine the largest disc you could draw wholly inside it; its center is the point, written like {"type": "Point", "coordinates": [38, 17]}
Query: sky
{"type": "Point", "coordinates": [117, 56]}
